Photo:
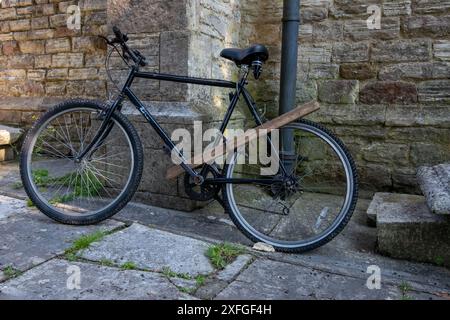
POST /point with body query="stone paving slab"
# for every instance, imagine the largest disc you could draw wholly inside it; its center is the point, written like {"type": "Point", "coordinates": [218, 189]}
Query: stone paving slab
{"type": "Point", "coordinates": [29, 238]}
{"type": "Point", "coordinates": [49, 281]}
{"type": "Point", "coordinates": [211, 220]}
{"type": "Point", "coordinates": [10, 184]}
{"type": "Point", "coordinates": [420, 276]}
{"type": "Point", "coordinates": [270, 280]}
{"type": "Point", "coordinates": [152, 249]}
{"type": "Point", "coordinates": [10, 206]}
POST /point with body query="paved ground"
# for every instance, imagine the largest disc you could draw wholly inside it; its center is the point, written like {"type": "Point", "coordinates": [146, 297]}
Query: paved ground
{"type": "Point", "coordinates": [154, 253]}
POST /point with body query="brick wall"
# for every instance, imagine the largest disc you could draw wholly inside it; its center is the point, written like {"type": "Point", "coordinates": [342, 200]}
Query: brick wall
{"type": "Point", "coordinates": [385, 92]}
{"type": "Point", "coordinates": [41, 56]}
{"type": "Point", "coordinates": [43, 61]}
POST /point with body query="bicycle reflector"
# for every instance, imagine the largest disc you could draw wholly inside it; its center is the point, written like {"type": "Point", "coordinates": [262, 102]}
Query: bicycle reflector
{"type": "Point", "coordinates": [257, 68]}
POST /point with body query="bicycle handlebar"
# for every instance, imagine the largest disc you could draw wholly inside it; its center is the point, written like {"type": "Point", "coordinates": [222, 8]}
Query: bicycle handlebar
{"type": "Point", "coordinates": [122, 39]}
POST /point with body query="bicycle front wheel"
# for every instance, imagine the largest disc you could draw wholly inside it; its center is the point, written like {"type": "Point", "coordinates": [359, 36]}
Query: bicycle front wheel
{"type": "Point", "coordinates": [85, 191]}
{"type": "Point", "coordinates": [313, 203]}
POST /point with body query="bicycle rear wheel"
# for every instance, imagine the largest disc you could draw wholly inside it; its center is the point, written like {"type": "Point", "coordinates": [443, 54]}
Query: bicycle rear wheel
{"type": "Point", "coordinates": [313, 203]}
{"type": "Point", "coordinates": [86, 191]}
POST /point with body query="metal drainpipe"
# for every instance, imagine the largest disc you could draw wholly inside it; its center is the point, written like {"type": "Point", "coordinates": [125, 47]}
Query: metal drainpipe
{"type": "Point", "coordinates": [288, 83]}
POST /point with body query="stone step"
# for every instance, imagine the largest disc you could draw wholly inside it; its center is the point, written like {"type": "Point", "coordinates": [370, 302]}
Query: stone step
{"type": "Point", "coordinates": [6, 153]}
{"type": "Point", "coordinates": [407, 229]}
{"type": "Point", "coordinates": [9, 135]}
{"type": "Point", "coordinates": [435, 185]}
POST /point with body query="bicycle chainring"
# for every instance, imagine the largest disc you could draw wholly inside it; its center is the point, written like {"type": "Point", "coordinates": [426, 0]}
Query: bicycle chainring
{"type": "Point", "coordinates": [204, 192]}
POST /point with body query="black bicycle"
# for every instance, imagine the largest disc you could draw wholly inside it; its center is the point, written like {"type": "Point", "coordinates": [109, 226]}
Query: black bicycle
{"type": "Point", "coordinates": [82, 162]}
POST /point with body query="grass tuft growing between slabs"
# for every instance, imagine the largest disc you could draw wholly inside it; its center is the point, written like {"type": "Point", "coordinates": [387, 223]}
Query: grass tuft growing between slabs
{"type": "Point", "coordinates": [83, 243]}
{"type": "Point", "coordinates": [223, 254]}
{"type": "Point", "coordinates": [129, 265]}
{"type": "Point", "coordinates": [10, 272]}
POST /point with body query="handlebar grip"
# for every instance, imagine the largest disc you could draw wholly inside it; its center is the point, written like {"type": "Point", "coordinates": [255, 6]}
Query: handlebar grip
{"type": "Point", "coordinates": [119, 35]}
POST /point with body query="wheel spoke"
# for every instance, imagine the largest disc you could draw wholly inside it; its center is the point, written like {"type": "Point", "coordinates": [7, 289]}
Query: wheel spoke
{"type": "Point", "coordinates": [79, 188]}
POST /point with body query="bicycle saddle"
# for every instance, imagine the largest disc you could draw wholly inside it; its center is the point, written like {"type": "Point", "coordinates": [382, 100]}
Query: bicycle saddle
{"type": "Point", "coordinates": [246, 56]}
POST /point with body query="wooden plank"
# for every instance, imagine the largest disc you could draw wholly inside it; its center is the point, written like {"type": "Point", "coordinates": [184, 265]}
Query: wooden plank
{"type": "Point", "coordinates": [249, 136]}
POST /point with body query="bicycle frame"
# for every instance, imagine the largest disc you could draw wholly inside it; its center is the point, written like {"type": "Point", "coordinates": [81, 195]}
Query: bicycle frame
{"type": "Point", "coordinates": [127, 92]}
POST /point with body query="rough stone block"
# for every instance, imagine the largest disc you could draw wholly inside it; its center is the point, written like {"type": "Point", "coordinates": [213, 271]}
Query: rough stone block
{"type": "Point", "coordinates": [431, 6]}
{"type": "Point", "coordinates": [67, 60]}
{"type": "Point", "coordinates": [174, 59]}
{"type": "Point", "coordinates": [163, 16]}
{"type": "Point", "coordinates": [435, 185]}
{"type": "Point", "coordinates": [408, 230]}
{"type": "Point", "coordinates": [357, 30]}
{"type": "Point", "coordinates": [32, 47]}
{"type": "Point", "coordinates": [323, 71]}
{"type": "Point", "coordinates": [328, 31]}
{"type": "Point", "coordinates": [39, 23]}
{"type": "Point", "coordinates": [415, 71]}
{"type": "Point", "coordinates": [388, 92]}
{"type": "Point", "coordinates": [441, 50]}
{"type": "Point", "coordinates": [386, 153]}
{"type": "Point", "coordinates": [351, 52]}
{"type": "Point", "coordinates": [10, 48]}
{"type": "Point", "coordinates": [351, 8]}
{"type": "Point", "coordinates": [427, 26]}
{"type": "Point", "coordinates": [397, 8]}
{"type": "Point", "coordinates": [315, 54]}
{"type": "Point", "coordinates": [409, 116]}
{"type": "Point", "coordinates": [313, 13]}
{"type": "Point", "coordinates": [429, 153]}
{"type": "Point", "coordinates": [20, 25]}
{"type": "Point", "coordinates": [6, 153]}
{"type": "Point", "coordinates": [434, 91]}
{"type": "Point", "coordinates": [401, 50]}
{"type": "Point", "coordinates": [359, 71]}
{"type": "Point", "coordinates": [339, 91]}
{"type": "Point", "coordinates": [375, 177]}
{"type": "Point", "coordinates": [58, 45]}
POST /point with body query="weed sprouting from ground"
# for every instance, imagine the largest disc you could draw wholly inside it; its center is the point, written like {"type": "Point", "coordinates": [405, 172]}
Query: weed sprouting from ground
{"type": "Point", "coordinates": [223, 254]}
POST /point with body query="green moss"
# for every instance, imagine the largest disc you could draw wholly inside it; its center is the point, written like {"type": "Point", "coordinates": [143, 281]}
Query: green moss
{"type": "Point", "coordinates": [223, 254]}
{"type": "Point", "coordinates": [172, 274]}
{"type": "Point", "coordinates": [11, 272]}
{"type": "Point", "coordinates": [200, 280]}
{"type": "Point", "coordinates": [405, 288]}
{"type": "Point", "coordinates": [439, 261]}
{"type": "Point", "coordinates": [128, 266]}
{"type": "Point", "coordinates": [106, 263]}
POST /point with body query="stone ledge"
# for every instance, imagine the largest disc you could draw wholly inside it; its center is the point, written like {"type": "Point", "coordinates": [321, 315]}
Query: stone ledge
{"type": "Point", "coordinates": [435, 185]}
{"type": "Point", "coordinates": [8, 135]}
{"type": "Point", "coordinates": [28, 103]}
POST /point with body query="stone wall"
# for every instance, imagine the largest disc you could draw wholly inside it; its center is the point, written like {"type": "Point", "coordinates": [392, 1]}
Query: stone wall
{"type": "Point", "coordinates": [41, 57]}
{"type": "Point", "coordinates": [385, 92]}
